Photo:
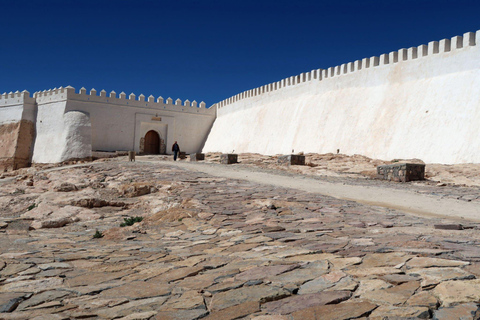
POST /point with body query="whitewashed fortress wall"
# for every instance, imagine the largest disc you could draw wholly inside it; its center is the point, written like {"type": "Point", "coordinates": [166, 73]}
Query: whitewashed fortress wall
{"type": "Point", "coordinates": [69, 125]}
{"type": "Point", "coordinates": [17, 122]}
{"type": "Point", "coordinates": [422, 102]}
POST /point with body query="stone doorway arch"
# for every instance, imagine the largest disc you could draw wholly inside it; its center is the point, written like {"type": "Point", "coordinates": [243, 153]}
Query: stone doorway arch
{"type": "Point", "coordinates": [152, 143]}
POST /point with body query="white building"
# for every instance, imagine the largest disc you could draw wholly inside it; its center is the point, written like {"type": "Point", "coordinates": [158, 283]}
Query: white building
{"type": "Point", "coordinates": [60, 124]}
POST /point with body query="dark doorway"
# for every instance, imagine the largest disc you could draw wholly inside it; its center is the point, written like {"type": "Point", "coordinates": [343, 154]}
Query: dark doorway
{"type": "Point", "coordinates": [152, 143]}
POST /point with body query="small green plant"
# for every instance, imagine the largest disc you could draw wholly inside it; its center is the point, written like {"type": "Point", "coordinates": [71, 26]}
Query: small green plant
{"type": "Point", "coordinates": [98, 235]}
{"type": "Point", "coordinates": [130, 221]}
{"type": "Point", "coordinates": [19, 191]}
{"type": "Point", "coordinates": [180, 220]}
{"type": "Point", "coordinates": [31, 207]}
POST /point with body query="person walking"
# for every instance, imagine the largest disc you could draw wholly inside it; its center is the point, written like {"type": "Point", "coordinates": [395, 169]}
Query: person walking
{"type": "Point", "coordinates": [176, 150]}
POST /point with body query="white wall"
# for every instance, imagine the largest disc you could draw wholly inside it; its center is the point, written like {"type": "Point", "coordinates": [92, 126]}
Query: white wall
{"type": "Point", "coordinates": [50, 140]}
{"type": "Point", "coordinates": [409, 106]}
{"type": "Point", "coordinates": [16, 106]}
{"type": "Point", "coordinates": [70, 125]}
{"type": "Point", "coordinates": [120, 127]}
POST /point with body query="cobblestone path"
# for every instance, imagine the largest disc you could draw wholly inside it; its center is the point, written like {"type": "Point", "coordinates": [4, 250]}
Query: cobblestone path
{"type": "Point", "coordinates": [217, 248]}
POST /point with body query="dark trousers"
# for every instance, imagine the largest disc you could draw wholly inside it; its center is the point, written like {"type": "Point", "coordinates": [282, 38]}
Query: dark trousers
{"type": "Point", "coordinates": [175, 153]}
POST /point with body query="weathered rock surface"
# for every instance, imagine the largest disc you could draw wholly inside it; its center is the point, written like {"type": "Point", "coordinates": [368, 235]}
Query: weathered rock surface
{"type": "Point", "coordinates": [298, 302]}
{"type": "Point", "coordinates": [461, 311]}
{"type": "Point", "coordinates": [260, 293]}
{"type": "Point", "coordinates": [342, 311]}
{"type": "Point", "coordinates": [217, 248]}
{"type": "Point", "coordinates": [389, 312]}
{"type": "Point", "coordinates": [455, 292]}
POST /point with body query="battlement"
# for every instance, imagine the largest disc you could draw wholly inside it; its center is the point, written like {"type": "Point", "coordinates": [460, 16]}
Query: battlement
{"type": "Point", "coordinates": [15, 98]}
{"type": "Point", "coordinates": [68, 93]}
{"type": "Point", "coordinates": [444, 46]}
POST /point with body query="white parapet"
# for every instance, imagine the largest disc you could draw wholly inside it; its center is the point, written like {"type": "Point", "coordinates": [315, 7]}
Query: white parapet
{"type": "Point", "coordinates": [422, 50]}
{"type": "Point", "coordinates": [468, 39]}
{"type": "Point", "coordinates": [384, 59]}
{"type": "Point", "coordinates": [412, 53]}
{"type": "Point", "coordinates": [433, 47]}
{"type": "Point", "coordinates": [414, 106]}
{"type": "Point", "coordinates": [444, 45]}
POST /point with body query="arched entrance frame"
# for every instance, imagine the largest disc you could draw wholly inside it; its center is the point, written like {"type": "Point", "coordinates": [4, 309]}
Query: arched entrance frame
{"type": "Point", "coordinates": [151, 144]}
{"type": "Point", "coordinates": [144, 123]}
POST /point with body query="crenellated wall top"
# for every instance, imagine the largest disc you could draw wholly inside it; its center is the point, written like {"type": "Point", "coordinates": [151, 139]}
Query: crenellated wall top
{"type": "Point", "coordinates": [15, 98]}
{"type": "Point", "coordinates": [443, 46]}
{"type": "Point", "coordinates": [68, 93]}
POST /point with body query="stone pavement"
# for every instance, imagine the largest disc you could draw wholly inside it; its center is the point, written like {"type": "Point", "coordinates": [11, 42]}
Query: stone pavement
{"type": "Point", "coordinates": [217, 248]}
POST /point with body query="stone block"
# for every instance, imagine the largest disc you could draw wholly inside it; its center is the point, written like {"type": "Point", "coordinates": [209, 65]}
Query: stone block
{"type": "Point", "coordinates": [197, 157]}
{"type": "Point", "coordinates": [292, 159]}
{"type": "Point", "coordinates": [448, 226]}
{"type": "Point", "coordinates": [131, 155]}
{"type": "Point", "coordinates": [182, 155]}
{"type": "Point", "coordinates": [401, 172]}
{"type": "Point", "coordinates": [228, 158]}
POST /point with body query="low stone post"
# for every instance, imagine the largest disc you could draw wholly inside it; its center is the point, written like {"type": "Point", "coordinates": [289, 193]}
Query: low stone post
{"type": "Point", "coordinates": [197, 157]}
{"type": "Point", "coordinates": [228, 158]}
{"type": "Point", "coordinates": [131, 155]}
{"type": "Point", "coordinates": [401, 172]}
{"type": "Point", "coordinates": [182, 155]}
{"type": "Point", "coordinates": [292, 159]}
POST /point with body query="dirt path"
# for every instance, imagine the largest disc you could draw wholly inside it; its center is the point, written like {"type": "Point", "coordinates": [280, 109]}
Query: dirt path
{"type": "Point", "coordinates": [402, 200]}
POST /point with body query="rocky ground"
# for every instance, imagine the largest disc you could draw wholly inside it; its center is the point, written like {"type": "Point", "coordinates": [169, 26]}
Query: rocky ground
{"type": "Point", "coordinates": [217, 248]}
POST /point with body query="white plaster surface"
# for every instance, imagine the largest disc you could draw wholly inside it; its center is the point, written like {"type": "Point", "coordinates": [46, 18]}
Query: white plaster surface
{"type": "Point", "coordinates": [17, 106]}
{"type": "Point", "coordinates": [426, 108]}
{"type": "Point", "coordinates": [50, 141]}
{"type": "Point", "coordinates": [71, 125]}
{"type": "Point", "coordinates": [77, 135]}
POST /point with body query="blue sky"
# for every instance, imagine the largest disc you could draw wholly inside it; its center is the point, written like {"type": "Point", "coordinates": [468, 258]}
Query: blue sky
{"type": "Point", "coordinates": [207, 50]}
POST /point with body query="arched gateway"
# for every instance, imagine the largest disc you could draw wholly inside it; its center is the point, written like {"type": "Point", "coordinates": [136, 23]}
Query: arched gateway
{"type": "Point", "coordinates": [152, 143]}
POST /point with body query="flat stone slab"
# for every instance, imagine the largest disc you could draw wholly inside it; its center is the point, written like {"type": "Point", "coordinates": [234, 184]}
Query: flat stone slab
{"type": "Point", "coordinates": [401, 172]}
{"type": "Point", "coordinates": [303, 301]}
{"type": "Point", "coordinates": [197, 156]}
{"type": "Point", "coordinates": [448, 226]}
{"type": "Point", "coordinates": [259, 293]}
{"type": "Point", "coordinates": [264, 272]}
{"type": "Point", "coordinates": [235, 312]}
{"type": "Point", "coordinates": [228, 158]}
{"type": "Point", "coordinates": [456, 292]}
{"type": "Point", "coordinates": [388, 312]}
{"type": "Point", "coordinates": [321, 283]}
{"type": "Point", "coordinates": [426, 262]}
{"type": "Point", "coordinates": [292, 159]}
{"type": "Point", "coordinates": [461, 311]}
{"type": "Point", "coordinates": [9, 301]}
{"type": "Point", "coordinates": [340, 311]}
